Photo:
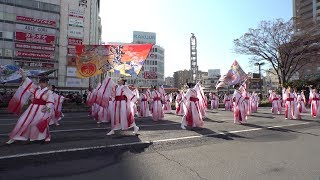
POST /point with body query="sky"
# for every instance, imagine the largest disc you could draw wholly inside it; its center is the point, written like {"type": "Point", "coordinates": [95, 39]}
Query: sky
{"type": "Point", "coordinates": [215, 23]}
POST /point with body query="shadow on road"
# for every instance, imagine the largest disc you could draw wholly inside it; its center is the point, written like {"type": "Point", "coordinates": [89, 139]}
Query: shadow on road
{"type": "Point", "coordinates": [210, 133]}
{"type": "Point", "coordinates": [277, 129]}
{"type": "Point", "coordinates": [215, 121]}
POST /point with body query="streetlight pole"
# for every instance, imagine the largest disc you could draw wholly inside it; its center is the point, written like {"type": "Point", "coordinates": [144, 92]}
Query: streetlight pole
{"type": "Point", "coordinates": [259, 66]}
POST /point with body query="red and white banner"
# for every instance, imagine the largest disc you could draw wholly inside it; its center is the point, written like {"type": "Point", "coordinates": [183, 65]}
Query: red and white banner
{"type": "Point", "coordinates": [35, 38]}
{"type": "Point", "coordinates": [35, 64]}
{"type": "Point", "coordinates": [74, 41]}
{"type": "Point", "coordinates": [36, 21]}
{"type": "Point", "coordinates": [34, 47]}
{"type": "Point", "coordinates": [35, 55]}
{"type": "Point", "coordinates": [150, 75]}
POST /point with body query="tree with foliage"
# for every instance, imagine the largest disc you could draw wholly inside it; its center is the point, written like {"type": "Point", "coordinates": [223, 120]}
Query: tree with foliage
{"type": "Point", "coordinates": [286, 48]}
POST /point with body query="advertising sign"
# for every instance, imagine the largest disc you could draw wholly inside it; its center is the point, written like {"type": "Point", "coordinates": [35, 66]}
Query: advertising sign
{"type": "Point", "coordinates": [76, 13]}
{"type": "Point", "coordinates": [144, 37]}
{"type": "Point", "coordinates": [35, 55]}
{"type": "Point", "coordinates": [75, 32]}
{"type": "Point", "coordinates": [35, 64]}
{"type": "Point", "coordinates": [36, 21]}
{"type": "Point", "coordinates": [34, 47]}
{"type": "Point", "coordinates": [71, 71]}
{"type": "Point", "coordinates": [77, 22]}
{"type": "Point", "coordinates": [35, 29]}
{"type": "Point", "coordinates": [73, 82]}
{"type": "Point", "coordinates": [74, 41]}
{"type": "Point", "coordinates": [36, 38]}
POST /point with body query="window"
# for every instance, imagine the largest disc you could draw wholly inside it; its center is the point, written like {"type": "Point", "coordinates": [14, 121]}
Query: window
{"type": "Point", "coordinates": [155, 49]}
{"type": "Point", "coordinates": [156, 63]}
{"type": "Point", "coordinates": [1, 34]}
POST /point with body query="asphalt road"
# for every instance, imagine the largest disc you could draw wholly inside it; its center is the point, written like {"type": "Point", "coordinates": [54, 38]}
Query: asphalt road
{"type": "Point", "coordinates": [266, 147]}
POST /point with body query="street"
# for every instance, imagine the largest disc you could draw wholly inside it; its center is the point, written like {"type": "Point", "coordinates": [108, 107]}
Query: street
{"type": "Point", "coordinates": [266, 147]}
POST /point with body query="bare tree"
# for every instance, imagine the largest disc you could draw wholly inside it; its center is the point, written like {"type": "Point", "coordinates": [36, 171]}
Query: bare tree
{"type": "Point", "coordinates": [280, 43]}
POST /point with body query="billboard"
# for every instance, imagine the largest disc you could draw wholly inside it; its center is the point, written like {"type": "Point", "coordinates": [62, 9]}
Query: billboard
{"type": "Point", "coordinates": [150, 75]}
{"type": "Point", "coordinates": [35, 38]}
{"type": "Point", "coordinates": [144, 37]}
{"type": "Point", "coordinates": [35, 29]}
{"type": "Point", "coordinates": [35, 55]}
{"type": "Point", "coordinates": [34, 47]}
{"type": "Point", "coordinates": [36, 21]}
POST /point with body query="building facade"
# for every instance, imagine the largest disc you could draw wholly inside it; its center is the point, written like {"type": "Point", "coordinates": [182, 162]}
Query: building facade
{"type": "Point", "coordinates": [308, 12]}
{"type": "Point", "coordinates": [42, 34]}
{"type": "Point", "coordinates": [181, 78]}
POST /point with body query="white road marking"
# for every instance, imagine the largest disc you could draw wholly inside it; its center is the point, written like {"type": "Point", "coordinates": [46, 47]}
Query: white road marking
{"type": "Point", "coordinates": [89, 129]}
{"type": "Point", "coordinates": [71, 150]}
{"type": "Point", "coordinates": [142, 142]}
{"type": "Point", "coordinates": [232, 132]}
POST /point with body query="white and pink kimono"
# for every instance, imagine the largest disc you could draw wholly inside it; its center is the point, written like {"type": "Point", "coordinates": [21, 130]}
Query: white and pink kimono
{"type": "Point", "coordinates": [254, 102]}
{"type": "Point", "coordinates": [135, 108]}
{"type": "Point", "coordinates": [239, 112]}
{"type": "Point", "coordinates": [214, 101]}
{"type": "Point", "coordinates": [193, 115]}
{"type": "Point", "coordinates": [291, 109]}
{"type": "Point", "coordinates": [247, 103]}
{"type": "Point", "coordinates": [275, 99]}
{"type": "Point", "coordinates": [144, 106]}
{"type": "Point", "coordinates": [227, 103]}
{"type": "Point", "coordinates": [156, 106]}
{"type": "Point", "coordinates": [167, 103]}
{"type": "Point", "coordinates": [33, 124]}
{"type": "Point", "coordinates": [57, 115]}
{"type": "Point", "coordinates": [179, 104]}
{"type": "Point", "coordinates": [301, 101]}
{"type": "Point", "coordinates": [122, 113]}
{"type": "Point", "coordinates": [203, 102]}
{"type": "Point", "coordinates": [314, 100]}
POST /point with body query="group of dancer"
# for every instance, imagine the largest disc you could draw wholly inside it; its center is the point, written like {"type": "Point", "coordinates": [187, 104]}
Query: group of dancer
{"type": "Point", "coordinates": [295, 102]}
{"type": "Point", "coordinates": [118, 104]}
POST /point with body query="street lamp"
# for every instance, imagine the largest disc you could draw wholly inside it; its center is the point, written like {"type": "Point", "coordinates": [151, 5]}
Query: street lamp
{"type": "Point", "coordinates": [259, 65]}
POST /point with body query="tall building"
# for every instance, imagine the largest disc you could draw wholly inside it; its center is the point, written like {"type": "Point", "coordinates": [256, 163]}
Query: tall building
{"type": "Point", "coordinates": [42, 34]}
{"type": "Point", "coordinates": [308, 14]}
{"type": "Point", "coordinates": [307, 10]}
{"type": "Point", "coordinates": [152, 72]}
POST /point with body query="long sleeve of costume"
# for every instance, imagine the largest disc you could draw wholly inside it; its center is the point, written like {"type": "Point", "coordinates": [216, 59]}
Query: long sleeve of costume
{"type": "Point", "coordinates": [21, 96]}
{"type": "Point", "coordinates": [104, 92]}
